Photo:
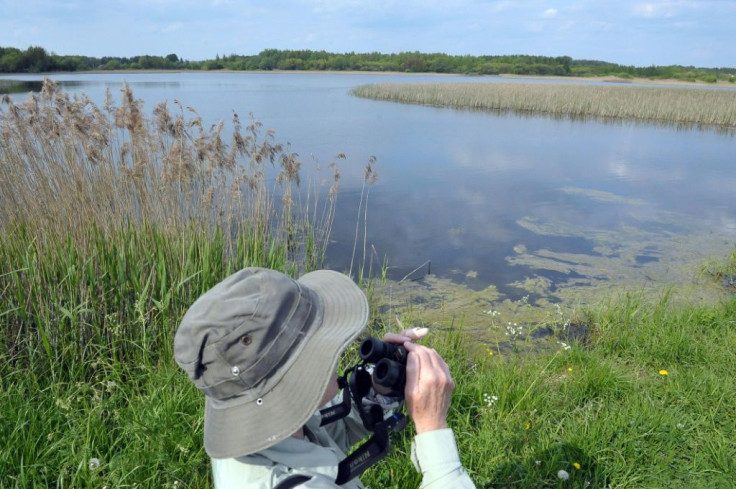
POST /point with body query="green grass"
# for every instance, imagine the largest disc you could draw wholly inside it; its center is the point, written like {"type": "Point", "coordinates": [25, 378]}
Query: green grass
{"type": "Point", "coordinates": [722, 270]}
{"type": "Point", "coordinates": [605, 407]}
{"type": "Point", "coordinates": [666, 105]}
{"type": "Point", "coordinates": [649, 402]}
{"type": "Point", "coordinates": [90, 299]}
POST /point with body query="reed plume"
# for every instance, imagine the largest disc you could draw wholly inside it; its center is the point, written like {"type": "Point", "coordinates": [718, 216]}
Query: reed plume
{"type": "Point", "coordinates": [67, 164]}
{"type": "Point", "coordinates": [112, 223]}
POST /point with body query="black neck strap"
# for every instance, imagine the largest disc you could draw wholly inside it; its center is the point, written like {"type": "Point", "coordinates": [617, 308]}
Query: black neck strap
{"type": "Point", "coordinates": [378, 445]}
{"type": "Point", "coordinates": [367, 455]}
{"type": "Point", "coordinates": [339, 411]}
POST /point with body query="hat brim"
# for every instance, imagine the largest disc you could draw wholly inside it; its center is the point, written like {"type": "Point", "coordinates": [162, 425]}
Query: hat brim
{"type": "Point", "coordinates": [246, 428]}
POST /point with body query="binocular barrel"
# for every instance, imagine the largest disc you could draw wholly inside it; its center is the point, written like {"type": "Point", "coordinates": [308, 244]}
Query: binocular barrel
{"type": "Point", "coordinates": [372, 350]}
{"type": "Point", "coordinates": [390, 374]}
{"type": "Point", "coordinates": [390, 363]}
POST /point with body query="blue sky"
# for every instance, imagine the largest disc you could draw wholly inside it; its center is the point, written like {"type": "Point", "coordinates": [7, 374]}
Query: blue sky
{"type": "Point", "coordinates": [631, 32]}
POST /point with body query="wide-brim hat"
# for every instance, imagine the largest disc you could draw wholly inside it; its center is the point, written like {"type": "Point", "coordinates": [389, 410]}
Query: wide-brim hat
{"type": "Point", "coordinates": [262, 347]}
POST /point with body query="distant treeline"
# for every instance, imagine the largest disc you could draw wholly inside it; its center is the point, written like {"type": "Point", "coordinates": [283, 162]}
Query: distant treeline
{"type": "Point", "coordinates": [37, 60]}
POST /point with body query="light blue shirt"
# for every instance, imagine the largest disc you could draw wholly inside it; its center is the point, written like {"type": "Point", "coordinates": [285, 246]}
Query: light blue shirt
{"type": "Point", "coordinates": [433, 453]}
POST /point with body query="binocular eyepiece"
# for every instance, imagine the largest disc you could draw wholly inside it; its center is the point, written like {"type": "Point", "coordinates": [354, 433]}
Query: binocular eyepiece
{"type": "Point", "coordinates": [390, 363]}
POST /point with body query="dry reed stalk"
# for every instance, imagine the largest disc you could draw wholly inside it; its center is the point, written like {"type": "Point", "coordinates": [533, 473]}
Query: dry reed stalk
{"type": "Point", "coordinates": [671, 105]}
{"type": "Point", "coordinates": [66, 165]}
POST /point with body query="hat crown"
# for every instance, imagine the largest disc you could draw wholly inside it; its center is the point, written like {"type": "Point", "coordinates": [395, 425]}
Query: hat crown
{"type": "Point", "coordinates": [238, 338]}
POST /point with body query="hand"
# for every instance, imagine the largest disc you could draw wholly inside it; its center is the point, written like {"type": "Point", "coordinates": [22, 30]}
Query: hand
{"type": "Point", "coordinates": [429, 387]}
{"type": "Point", "coordinates": [411, 334]}
{"type": "Point", "coordinates": [407, 335]}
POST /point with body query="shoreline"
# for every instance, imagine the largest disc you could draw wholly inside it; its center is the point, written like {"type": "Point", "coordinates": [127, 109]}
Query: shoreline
{"type": "Point", "coordinates": [610, 79]}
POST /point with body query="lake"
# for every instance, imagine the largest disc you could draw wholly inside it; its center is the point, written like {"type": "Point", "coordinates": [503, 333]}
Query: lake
{"type": "Point", "coordinates": [509, 208]}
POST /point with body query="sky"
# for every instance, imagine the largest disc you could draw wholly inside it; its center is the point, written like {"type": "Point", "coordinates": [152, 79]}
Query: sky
{"type": "Point", "coordinates": [628, 32]}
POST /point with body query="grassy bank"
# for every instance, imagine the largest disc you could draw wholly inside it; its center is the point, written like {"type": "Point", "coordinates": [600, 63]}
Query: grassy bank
{"type": "Point", "coordinates": [668, 105]}
{"type": "Point", "coordinates": [645, 400]}
{"type": "Point", "coordinates": [111, 225]}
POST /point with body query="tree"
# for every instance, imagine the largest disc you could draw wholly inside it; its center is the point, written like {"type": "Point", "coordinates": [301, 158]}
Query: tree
{"type": "Point", "coordinates": [37, 60]}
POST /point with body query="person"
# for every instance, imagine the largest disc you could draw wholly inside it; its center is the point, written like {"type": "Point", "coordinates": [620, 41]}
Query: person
{"type": "Point", "coordinates": [264, 349]}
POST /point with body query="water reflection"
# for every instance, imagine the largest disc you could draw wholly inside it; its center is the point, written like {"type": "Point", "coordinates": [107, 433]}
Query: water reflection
{"type": "Point", "coordinates": [20, 86]}
{"type": "Point", "coordinates": [613, 121]}
{"type": "Point", "coordinates": [528, 205]}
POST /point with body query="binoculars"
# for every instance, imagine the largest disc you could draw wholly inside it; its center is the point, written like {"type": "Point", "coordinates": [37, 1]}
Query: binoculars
{"type": "Point", "coordinates": [390, 364]}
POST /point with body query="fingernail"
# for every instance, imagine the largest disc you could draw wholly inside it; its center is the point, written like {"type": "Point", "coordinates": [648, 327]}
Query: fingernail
{"type": "Point", "coordinates": [421, 331]}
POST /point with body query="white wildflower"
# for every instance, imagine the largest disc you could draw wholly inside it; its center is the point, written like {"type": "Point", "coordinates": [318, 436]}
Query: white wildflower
{"type": "Point", "coordinates": [94, 463]}
{"type": "Point", "coordinates": [563, 475]}
{"type": "Point", "coordinates": [489, 399]}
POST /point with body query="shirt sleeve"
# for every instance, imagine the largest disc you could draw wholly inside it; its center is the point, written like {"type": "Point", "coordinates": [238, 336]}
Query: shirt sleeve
{"type": "Point", "coordinates": [435, 456]}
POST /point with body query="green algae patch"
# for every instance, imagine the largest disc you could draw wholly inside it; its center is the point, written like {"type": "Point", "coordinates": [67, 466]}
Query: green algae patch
{"type": "Point", "coordinates": [647, 253]}
{"type": "Point", "coordinates": [497, 323]}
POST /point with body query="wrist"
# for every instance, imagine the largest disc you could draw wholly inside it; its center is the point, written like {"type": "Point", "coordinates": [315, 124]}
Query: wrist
{"type": "Point", "coordinates": [426, 426]}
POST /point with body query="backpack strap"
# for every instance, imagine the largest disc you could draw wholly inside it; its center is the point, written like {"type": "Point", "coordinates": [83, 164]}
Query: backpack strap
{"type": "Point", "coordinates": [291, 482]}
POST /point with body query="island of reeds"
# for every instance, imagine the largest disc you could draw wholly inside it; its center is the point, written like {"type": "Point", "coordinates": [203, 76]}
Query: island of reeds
{"type": "Point", "coordinates": [654, 104]}
{"type": "Point", "coordinates": [112, 223]}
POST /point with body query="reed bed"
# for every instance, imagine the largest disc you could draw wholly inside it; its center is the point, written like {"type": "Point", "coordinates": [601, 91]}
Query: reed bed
{"type": "Point", "coordinates": [67, 163]}
{"type": "Point", "coordinates": [112, 223]}
{"type": "Point", "coordinates": [669, 105]}
{"type": "Point", "coordinates": [98, 204]}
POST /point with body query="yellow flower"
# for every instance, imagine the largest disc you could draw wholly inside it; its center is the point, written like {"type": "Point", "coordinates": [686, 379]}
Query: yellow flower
{"type": "Point", "coordinates": [490, 352]}
{"type": "Point", "coordinates": [576, 465]}
{"type": "Point", "coordinates": [528, 425]}
{"type": "Point", "coordinates": [569, 369]}
{"type": "Point", "coordinates": [663, 372]}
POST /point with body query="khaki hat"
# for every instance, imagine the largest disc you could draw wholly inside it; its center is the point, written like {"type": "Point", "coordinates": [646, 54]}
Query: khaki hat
{"type": "Point", "coordinates": [262, 347]}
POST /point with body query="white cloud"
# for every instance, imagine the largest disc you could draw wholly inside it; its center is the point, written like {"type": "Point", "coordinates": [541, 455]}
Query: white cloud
{"type": "Point", "coordinates": [663, 9]}
{"type": "Point", "coordinates": [328, 6]}
{"type": "Point", "coordinates": [501, 6]}
{"type": "Point", "coordinates": [171, 27]}
{"type": "Point", "coordinates": [646, 10]}
{"type": "Point", "coordinates": [676, 31]}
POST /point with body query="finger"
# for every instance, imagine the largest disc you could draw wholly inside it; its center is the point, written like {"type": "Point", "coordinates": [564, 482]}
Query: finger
{"type": "Point", "coordinates": [411, 334]}
{"type": "Point", "coordinates": [397, 338]}
{"type": "Point", "coordinates": [428, 358]}
{"type": "Point", "coordinates": [426, 354]}
{"type": "Point", "coordinates": [412, 376]}
{"type": "Point", "coordinates": [420, 356]}
{"type": "Point", "coordinates": [415, 333]}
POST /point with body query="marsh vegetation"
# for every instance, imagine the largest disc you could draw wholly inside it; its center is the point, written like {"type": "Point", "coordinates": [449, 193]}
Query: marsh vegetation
{"type": "Point", "coordinates": [660, 104]}
{"type": "Point", "coordinates": [113, 223]}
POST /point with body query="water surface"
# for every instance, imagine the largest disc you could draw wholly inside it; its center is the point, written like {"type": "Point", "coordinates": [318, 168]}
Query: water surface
{"type": "Point", "coordinates": [512, 205]}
